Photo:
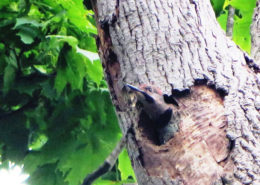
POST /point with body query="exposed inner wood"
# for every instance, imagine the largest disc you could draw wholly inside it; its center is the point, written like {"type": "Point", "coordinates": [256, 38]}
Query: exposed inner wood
{"type": "Point", "coordinates": [198, 152]}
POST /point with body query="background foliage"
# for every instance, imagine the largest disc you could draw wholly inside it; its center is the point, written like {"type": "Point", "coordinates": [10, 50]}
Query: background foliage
{"type": "Point", "coordinates": [242, 20]}
{"type": "Point", "coordinates": [56, 117]}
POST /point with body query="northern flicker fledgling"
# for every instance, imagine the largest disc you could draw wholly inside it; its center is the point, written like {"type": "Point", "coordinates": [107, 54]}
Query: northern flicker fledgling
{"type": "Point", "coordinates": [161, 113]}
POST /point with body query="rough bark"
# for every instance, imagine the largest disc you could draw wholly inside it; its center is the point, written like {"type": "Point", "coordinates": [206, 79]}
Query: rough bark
{"type": "Point", "coordinates": [178, 46]}
{"type": "Point", "coordinates": [255, 35]}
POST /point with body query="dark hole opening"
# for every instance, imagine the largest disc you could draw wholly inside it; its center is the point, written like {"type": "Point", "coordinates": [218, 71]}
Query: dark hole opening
{"type": "Point", "coordinates": [231, 145]}
{"type": "Point", "coordinates": [148, 128]}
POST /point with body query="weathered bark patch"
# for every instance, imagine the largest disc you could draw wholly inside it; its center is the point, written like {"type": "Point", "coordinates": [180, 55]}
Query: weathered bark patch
{"type": "Point", "coordinates": [110, 62]}
{"type": "Point", "coordinates": [198, 153]}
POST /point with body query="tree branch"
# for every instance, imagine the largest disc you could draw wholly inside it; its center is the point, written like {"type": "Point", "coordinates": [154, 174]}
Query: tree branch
{"type": "Point", "coordinates": [108, 164]}
{"type": "Point", "coordinates": [230, 21]}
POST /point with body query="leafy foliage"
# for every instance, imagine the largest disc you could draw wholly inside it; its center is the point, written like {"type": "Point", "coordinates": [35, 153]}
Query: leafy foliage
{"type": "Point", "coordinates": [125, 166]}
{"type": "Point", "coordinates": [242, 19]}
{"type": "Point", "coordinates": [217, 6]}
{"type": "Point", "coordinates": [56, 116]}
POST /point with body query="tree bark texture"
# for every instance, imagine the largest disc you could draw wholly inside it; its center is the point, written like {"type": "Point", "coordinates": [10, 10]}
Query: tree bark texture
{"type": "Point", "coordinates": [255, 34]}
{"type": "Point", "coordinates": [178, 46]}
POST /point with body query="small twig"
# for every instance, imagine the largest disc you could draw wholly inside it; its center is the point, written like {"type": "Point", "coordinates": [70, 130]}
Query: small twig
{"type": "Point", "coordinates": [230, 21]}
{"type": "Point", "coordinates": [108, 164]}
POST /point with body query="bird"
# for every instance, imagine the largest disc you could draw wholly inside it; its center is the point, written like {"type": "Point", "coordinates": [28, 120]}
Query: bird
{"type": "Point", "coordinates": [156, 105]}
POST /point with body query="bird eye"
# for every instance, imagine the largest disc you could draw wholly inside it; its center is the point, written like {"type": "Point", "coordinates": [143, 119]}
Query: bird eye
{"type": "Point", "coordinates": [148, 89]}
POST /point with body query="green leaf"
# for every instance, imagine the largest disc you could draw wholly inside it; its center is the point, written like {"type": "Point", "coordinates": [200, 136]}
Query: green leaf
{"type": "Point", "coordinates": [243, 5]}
{"type": "Point", "coordinates": [93, 64]}
{"type": "Point", "coordinates": [222, 20]}
{"type": "Point", "coordinates": [241, 33]}
{"type": "Point", "coordinates": [90, 55]}
{"type": "Point", "coordinates": [25, 37]}
{"type": "Point", "coordinates": [2, 48]}
{"type": "Point", "coordinates": [47, 175]}
{"type": "Point", "coordinates": [26, 20]}
{"type": "Point", "coordinates": [4, 3]}
{"type": "Point", "coordinates": [38, 141]}
{"type": "Point", "coordinates": [73, 74]}
{"type": "Point", "coordinates": [125, 166]}
{"type": "Point", "coordinates": [28, 29]}
{"type": "Point", "coordinates": [76, 70]}
{"type": "Point", "coordinates": [95, 71]}
{"type": "Point", "coordinates": [77, 14]}
{"type": "Point", "coordinates": [48, 91]}
{"type": "Point", "coordinates": [28, 33]}
{"type": "Point", "coordinates": [72, 41]}
{"type": "Point", "coordinates": [9, 76]}
{"type": "Point", "coordinates": [60, 80]}
{"type": "Point", "coordinates": [89, 26]}
{"type": "Point", "coordinates": [217, 6]}
{"type": "Point", "coordinates": [11, 59]}
{"type": "Point", "coordinates": [107, 182]}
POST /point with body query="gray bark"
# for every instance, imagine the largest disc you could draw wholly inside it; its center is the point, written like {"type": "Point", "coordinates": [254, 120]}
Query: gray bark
{"type": "Point", "coordinates": [176, 45]}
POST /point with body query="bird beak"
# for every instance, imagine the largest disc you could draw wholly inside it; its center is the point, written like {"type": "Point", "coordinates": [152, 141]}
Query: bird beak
{"type": "Point", "coordinates": [133, 88]}
{"type": "Point", "coordinates": [146, 96]}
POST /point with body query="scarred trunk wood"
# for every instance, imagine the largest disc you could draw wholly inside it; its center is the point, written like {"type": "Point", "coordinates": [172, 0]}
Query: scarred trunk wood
{"type": "Point", "coordinates": [178, 46]}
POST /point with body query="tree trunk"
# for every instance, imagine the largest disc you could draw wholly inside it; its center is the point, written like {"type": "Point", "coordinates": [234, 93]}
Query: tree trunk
{"type": "Point", "coordinates": [178, 46]}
